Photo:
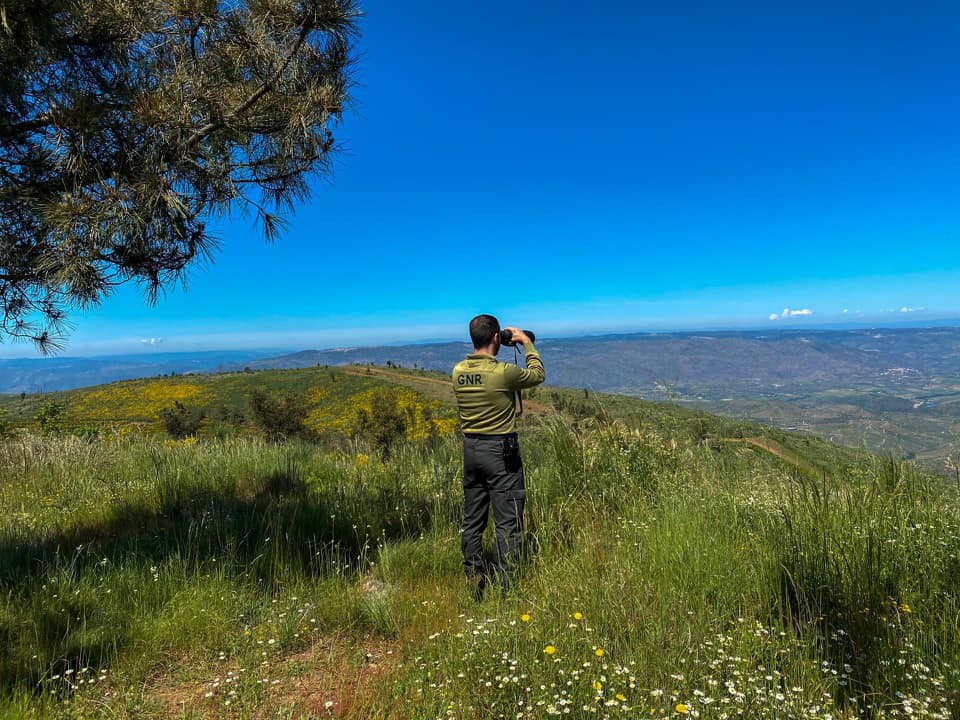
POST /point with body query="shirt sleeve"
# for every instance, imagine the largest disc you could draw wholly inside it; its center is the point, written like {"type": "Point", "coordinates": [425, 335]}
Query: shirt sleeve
{"type": "Point", "coordinates": [517, 378]}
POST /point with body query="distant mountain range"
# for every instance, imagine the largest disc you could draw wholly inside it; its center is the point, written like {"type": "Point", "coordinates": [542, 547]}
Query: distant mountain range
{"type": "Point", "coordinates": [692, 364]}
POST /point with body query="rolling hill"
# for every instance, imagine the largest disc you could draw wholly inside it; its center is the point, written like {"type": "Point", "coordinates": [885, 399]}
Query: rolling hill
{"type": "Point", "coordinates": [335, 395]}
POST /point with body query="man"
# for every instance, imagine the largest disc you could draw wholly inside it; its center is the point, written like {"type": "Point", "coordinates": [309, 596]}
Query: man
{"type": "Point", "coordinates": [492, 470]}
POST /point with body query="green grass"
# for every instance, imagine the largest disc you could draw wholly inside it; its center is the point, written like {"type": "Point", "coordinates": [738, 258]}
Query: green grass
{"type": "Point", "coordinates": [238, 578]}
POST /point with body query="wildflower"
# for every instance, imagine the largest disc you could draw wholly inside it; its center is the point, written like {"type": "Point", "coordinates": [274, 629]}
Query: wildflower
{"type": "Point", "coordinates": [598, 652]}
{"type": "Point", "coordinates": [525, 617]}
{"type": "Point", "coordinates": [682, 709]}
{"type": "Point", "coordinates": [597, 685]}
{"type": "Point", "coordinates": [621, 697]}
{"type": "Point", "coordinates": [549, 650]}
{"type": "Point", "coordinates": [578, 616]}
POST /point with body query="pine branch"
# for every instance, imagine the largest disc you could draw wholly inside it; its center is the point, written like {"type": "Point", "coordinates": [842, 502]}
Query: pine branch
{"type": "Point", "coordinates": [264, 88]}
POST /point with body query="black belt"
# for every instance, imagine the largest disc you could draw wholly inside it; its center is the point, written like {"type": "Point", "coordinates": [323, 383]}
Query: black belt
{"type": "Point", "coordinates": [481, 436]}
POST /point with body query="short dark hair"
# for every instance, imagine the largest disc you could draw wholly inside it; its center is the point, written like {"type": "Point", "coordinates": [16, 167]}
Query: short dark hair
{"type": "Point", "coordinates": [482, 330]}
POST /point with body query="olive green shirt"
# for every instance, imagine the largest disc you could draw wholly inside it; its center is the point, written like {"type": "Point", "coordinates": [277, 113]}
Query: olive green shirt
{"type": "Point", "coordinates": [485, 391]}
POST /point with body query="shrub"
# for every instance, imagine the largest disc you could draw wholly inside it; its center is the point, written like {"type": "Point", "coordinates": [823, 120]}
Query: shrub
{"type": "Point", "coordinates": [558, 401]}
{"type": "Point", "coordinates": [181, 421]}
{"type": "Point", "coordinates": [50, 418]}
{"type": "Point", "coordinates": [384, 422]}
{"type": "Point", "coordinates": [279, 416]}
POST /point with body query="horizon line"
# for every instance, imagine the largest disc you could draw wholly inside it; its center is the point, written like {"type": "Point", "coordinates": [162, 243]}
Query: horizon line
{"type": "Point", "coordinates": [790, 325]}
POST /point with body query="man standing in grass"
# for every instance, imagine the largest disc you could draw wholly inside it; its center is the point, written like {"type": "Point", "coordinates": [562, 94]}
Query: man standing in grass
{"type": "Point", "coordinates": [486, 393]}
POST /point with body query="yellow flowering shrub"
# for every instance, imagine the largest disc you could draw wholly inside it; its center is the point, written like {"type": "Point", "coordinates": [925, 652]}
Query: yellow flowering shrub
{"type": "Point", "coordinates": [424, 417]}
{"type": "Point", "coordinates": [137, 400]}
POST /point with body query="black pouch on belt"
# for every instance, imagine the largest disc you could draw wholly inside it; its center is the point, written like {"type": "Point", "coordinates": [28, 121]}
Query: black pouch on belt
{"type": "Point", "coordinates": [511, 454]}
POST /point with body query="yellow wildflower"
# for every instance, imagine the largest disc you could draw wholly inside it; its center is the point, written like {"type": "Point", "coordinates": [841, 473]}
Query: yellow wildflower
{"type": "Point", "coordinates": [682, 709]}
{"type": "Point", "coordinates": [578, 616]}
{"type": "Point", "coordinates": [598, 652]}
{"type": "Point", "coordinates": [549, 650]}
{"type": "Point", "coordinates": [525, 617]}
{"type": "Point", "coordinates": [621, 697]}
{"type": "Point", "coordinates": [597, 685]}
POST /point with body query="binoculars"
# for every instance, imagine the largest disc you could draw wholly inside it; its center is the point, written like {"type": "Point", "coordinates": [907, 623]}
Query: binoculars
{"type": "Point", "coordinates": [506, 337]}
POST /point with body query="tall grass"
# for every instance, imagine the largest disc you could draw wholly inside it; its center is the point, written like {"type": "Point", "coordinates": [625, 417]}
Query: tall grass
{"type": "Point", "coordinates": [662, 578]}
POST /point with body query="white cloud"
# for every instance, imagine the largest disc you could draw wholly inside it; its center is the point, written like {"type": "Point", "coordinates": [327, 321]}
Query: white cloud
{"type": "Point", "coordinates": [906, 309]}
{"type": "Point", "coordinates": [151, 341]}
{"type": "Point", "coordinates": [788, 313]}
{"type": "Point", "coordinates": [846, 310]}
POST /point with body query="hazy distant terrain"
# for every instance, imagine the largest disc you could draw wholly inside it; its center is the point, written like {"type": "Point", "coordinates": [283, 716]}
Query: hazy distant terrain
{"type": "Point", "coordinates": [896, 390]}
{"type": "Point", "coordinates": [65, 373]}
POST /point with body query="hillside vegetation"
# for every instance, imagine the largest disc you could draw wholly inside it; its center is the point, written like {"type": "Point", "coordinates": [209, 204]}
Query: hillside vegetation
{"type": "Point", "coordinates": [891, 390]}
{"type": "Point", "coordinates": [678, 565]}
{"type": "Point", "coordinates": [331, 401]}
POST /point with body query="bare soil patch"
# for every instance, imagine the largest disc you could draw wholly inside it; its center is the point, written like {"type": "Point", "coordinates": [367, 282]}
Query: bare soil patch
{"type": "Point", "coordinates": [324, 680]}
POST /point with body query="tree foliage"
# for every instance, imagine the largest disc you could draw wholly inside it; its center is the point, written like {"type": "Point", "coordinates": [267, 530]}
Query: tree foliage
{"type": "Point", "coordinates": [6, 427]}
{"type": "Point", "coordinates": [279, 416]}
{"type": "Point", "coordinates": [181, 421]}
{"type": "Point", "coordinates": [385, 422]}
{"type": "Point", "coordinates": [126, 125]}
{"type": "Point", "coordinates": [50, 418]}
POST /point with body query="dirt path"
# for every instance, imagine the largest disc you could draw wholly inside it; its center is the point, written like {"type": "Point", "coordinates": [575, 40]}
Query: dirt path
{"type": "Point", "coordinates": [334, 676]}
{"type": "Point", "coordinates": [775, 449]}
{"type": "Point", "coordinates": [432, 386]}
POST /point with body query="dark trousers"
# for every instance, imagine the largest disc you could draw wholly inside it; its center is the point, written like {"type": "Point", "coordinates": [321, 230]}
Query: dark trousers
{"type": "Point", "coordinates": [492, 476]}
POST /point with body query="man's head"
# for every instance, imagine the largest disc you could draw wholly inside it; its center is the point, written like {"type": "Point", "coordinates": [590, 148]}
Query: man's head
{"type": "Point", "coordinates": [485, 333]}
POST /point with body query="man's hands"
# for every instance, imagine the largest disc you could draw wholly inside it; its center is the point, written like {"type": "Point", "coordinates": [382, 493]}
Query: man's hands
{"type": "Point", "coordinates": [518, 336]}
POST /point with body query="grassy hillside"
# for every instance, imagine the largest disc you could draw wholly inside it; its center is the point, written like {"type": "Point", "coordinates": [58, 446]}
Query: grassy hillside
{"type": "Point", "coordinates": [678, 565]}
{"type": "Point", "coordinates": [332, 396]}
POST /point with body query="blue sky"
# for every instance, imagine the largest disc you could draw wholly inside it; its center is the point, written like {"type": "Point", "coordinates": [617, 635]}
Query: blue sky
{"type": "Point", "coordinates": [569, 168]}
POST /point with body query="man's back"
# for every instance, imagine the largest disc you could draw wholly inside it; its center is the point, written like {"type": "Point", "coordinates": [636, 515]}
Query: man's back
{"type": "Point", "coordinates": [485, 389]}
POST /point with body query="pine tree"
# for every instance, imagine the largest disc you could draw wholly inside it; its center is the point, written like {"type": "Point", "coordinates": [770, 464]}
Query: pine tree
{"type": "Point", "coordinates": [126, 125]}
